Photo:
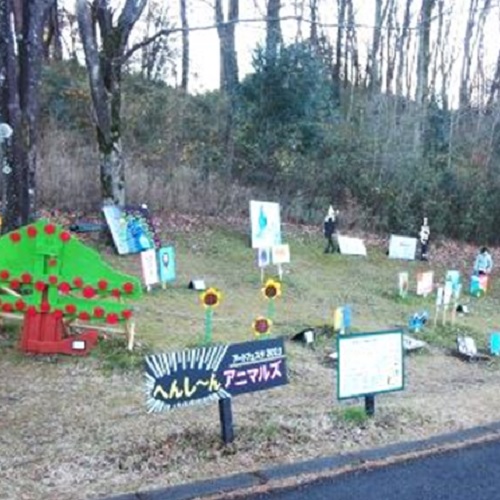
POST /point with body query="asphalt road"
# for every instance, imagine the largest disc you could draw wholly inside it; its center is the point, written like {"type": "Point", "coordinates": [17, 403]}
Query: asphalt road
{"type": "Point", "coordinates": [471, 473]}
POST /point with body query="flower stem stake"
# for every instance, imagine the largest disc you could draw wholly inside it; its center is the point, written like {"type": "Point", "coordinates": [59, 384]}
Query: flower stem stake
{"type": "Point", "coordinates": [262, 326]}
{"type": "Point", "coordinates": [271, 290]}
{"type": "Point", "coordinates": [210, 299]}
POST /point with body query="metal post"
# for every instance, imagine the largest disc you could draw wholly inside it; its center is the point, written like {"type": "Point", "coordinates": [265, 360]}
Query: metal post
{"type": "Point", "coordinates": [370, 405]}
{"type": "Point", "coordinates": [226, 420]}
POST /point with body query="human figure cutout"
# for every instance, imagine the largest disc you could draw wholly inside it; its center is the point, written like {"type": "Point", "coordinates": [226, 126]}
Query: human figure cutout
{"type": "Point", "coordinates": [330, 230]}
{"type": "Point", "coordinates": [483, 263]}
{"type": "Point", "coordinates": [424, 235]}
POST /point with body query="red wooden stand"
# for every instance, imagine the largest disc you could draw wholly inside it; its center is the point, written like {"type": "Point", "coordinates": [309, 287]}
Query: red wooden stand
{"type": "Point", "coordinates": [46, 333]}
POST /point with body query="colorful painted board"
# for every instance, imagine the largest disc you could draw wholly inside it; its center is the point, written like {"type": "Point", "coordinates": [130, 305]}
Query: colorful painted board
{"type": "Point", "coordinates": [425, 283]}
{"type": "Point", "coordinates": [212, 373]}
{"type": "Point", "coordinates": [265, 224]}
{"type": "Point", "coordinates": [166, 264]}
{"type": "Point", "coordinates": [263, 257]}
{"type": "Point", "coordinates": [281, 254]}
{"type": "Point", "coordinates": [131, 228]}
{"type": "Point", "coordinates": [149, 267]}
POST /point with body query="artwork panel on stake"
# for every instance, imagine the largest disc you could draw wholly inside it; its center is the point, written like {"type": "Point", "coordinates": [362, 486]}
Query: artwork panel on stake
{"type": "Point", "coordinates": [166, 264]}
{"type": "Point", "coordinates": [351, 246]}
{"type": "Point", "coordinates": [206, 374]}
{"type": "Point", "coordinates": [265, 224]}
{"type": "Point", "coordinates": [263, 257]}
{"type": "Point", "coordinates": [149, 267]}
{"type": "Point", "coordinates": [131, 228]}
{"type": "Point", "coordinates": [369, 363]}
{"type": "Point", "coordinates": [402, 247]}
{"type": "Point", "coordinates": [425, 283]}
{"type": "Point", "coordinates": [281, 254]}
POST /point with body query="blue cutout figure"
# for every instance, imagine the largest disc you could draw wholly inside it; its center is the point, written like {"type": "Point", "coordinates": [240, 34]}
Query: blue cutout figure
{"type": "Point", "coordinates": [262, 222]}
{"type": "Point", "coordinates": [136, 236]}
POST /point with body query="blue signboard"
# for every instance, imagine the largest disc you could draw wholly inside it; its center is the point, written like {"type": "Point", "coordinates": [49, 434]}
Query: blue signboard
{"type": "Point", "coordinates": [166, 264]}
{"type": "Point", "coordinates": [212, 373]}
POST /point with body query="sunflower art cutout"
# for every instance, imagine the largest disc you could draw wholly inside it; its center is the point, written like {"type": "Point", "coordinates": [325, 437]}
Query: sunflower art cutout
{"type": "Point", "coordinates": [211, 298]}
{"type": "Point", "coordinates": [261, 326]}
{"type": "Point", "coordinates": [271, 289]}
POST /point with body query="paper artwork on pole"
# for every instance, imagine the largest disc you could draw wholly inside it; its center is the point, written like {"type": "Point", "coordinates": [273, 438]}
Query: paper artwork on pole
{"type": "Point", "coordinates": [265, 224]}
{"type": "Point", "coordinates": [281, 254]}
{"type": "Point", "coordinates": [351, 246]}
{"type": "Point", "coordinates": [263, 257]}
{"type": "Point", "coordinates": [131, 228]}
{"type": "Point", "coordinates": [149, 267]}
{"type": "Point", "coordinates": [403, 283]}
{"type": "Point", "coordinates": [369, 363]}
{"type": "Point", "coordinates": [402, 247]}
{"type": "Point", "coordinates": [425, 283]}
{"type": "Point", "coordinates": [205, 374]}
{"type": "Point", "coordinates": [166, 264]}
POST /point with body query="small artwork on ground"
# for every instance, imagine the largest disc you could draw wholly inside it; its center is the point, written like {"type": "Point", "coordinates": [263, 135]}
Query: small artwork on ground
{"type": "Point", "coordinates": [131, 228]}
{"type": "Point", "coordinates": [402, 247]}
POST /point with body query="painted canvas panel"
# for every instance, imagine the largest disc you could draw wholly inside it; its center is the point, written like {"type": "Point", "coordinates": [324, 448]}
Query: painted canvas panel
{"type": "Point", "coordinates": [281, 254]}
{"type": "Point", "coordinates": [166, 264]}
{"type": "Point", "coordinates": [265, 224]}
{"type": "Point", "coordinates": [402, 247]}
{"type": "Point", "coordinates": [403, 282]}
{"type": "Point", "coordinates": [263, 257]}
{"type": "Point", "coordinates": [131, 228]}
{"type": "Point", "coordinates": [149, 267]}
{"type": "Point", "coordinates": [425, 282]}
{"type": "Point", "coordinates": [351, 246]}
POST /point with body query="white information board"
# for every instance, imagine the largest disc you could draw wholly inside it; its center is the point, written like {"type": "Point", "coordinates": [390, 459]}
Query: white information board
{"type": "Point", "coordinates": [265, 223]}
{"type": "Point", "coordinates": [369, 363]}
{"type": "Point", "coordinates": [402, 247]}
{"type": "Point", "coordinates": [351, 246]}
{"type": "Point", "coordinates": [149, 267]}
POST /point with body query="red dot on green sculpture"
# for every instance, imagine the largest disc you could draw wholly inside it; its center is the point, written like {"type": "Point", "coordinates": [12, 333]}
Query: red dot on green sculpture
{"type": "Point", "coordinates": [31, 231]}
{"type": "Point", "coordinates": [4, 274]}
{"type": "Point", "coordinates": [45, 307]}
{"type": "Point", "coordinates": [98, 312]}
{"type": "Point", "coordinates": [102, 284]}
{"type": "Point", "coordinates": [78, 282]}
{"type": "Point", "coordinates": [65, 236]}
{"type": "Point", "coordinates": [20, 305]}
{"type": "Point", "coordinates": [49, 229]}
{"type": "Point", "coordinates": [128, 287]}
{"type": "Point", "coordinates": [53, 279]}
{"type": "Point", "coordinates": [15, 237]}
{"type": "Point", "coordinates": [85, 316]}
{"type": "Point", "coordinates": [15, 284]}
{"type": "Point", "coordinates": [115, 292]}
{"type": "Point", "coordinates": [26, 278]}
{"type": "Point", "coordinates": [40, 286]}
{"type": "Point", "coordinates": [127, 314]}
{"type": "Point", "coordinates": [7, 307]}
{"type": "Point", "coordinates": [58, 313]}
{"type": "Point", "coordinates": [70, 309]}
{"type": "Point", "coordinates": [88, 292]}
{"type": "Point", "coordinates": [64, 287]}
{"type": "Point", "coordinates": [52, 262]}
{"type": "Point", "coordinates": [31, 311]}
{"type": "Point", "coordinates": [112, 319]}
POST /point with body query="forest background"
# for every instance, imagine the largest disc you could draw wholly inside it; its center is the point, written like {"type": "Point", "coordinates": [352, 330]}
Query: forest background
{"type": "Point", "coordinates": [390, 114]}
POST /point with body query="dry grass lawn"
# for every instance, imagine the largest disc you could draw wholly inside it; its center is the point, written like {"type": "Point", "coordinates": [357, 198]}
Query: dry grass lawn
{"type": "Point", "coordinates": [71, 429]}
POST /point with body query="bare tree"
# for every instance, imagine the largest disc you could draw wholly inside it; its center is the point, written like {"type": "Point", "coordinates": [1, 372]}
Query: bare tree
{"type": "Point", "coordinates": [52, 39]}
{"type": "Point", "coordinates": [228, 58]}
{"type": "Point", "coordinates": [341, 21]}
{"type": "Point", "coordinates": [464, 97]}
{"type": "Point", "coordinates": [373, 69]}
{"type": "Point", "coordinates": [273, 30]}
{"type": "Point", "coordinates": [21, 55]}
{"type": "Point", "coordinates": [185, 45]}
{"type": "Point", "coordinates": [402, 48]}
{"type": "Point", "coordinates": [104, 65]}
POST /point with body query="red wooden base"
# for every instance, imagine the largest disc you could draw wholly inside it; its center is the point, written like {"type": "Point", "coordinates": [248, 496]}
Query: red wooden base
{"type": "Point", "coordinates": [45, 333]}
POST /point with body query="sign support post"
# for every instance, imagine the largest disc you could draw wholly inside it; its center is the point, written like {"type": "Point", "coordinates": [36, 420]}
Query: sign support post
{"type": "Point", "coordinates": [370, 404]}
{"type": "Point", "coordinates": [226, 420]}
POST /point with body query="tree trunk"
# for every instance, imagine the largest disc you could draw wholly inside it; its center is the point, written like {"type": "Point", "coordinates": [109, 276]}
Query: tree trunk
{"type": "Point", "coordinates": [185, 46]}
{"type": "Point", "coordinates": [104, 67]}
{"type": "Point", "coordinates": [21, 53]}
{"type": "Point", "coordinates": [273, 30]}
{"type": "Point", "coordinates": [400, 48]}
{"type": "Point", "coordinates": [464, 95]}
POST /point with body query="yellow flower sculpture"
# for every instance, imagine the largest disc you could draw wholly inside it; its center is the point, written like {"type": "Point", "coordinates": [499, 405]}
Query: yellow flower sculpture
{"type": "Point", "coordinates": [211, 298]}
{"type": "Point", "coordinates": [272, 289]}
{"type": "Point", "coordinates": [261, 326]}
